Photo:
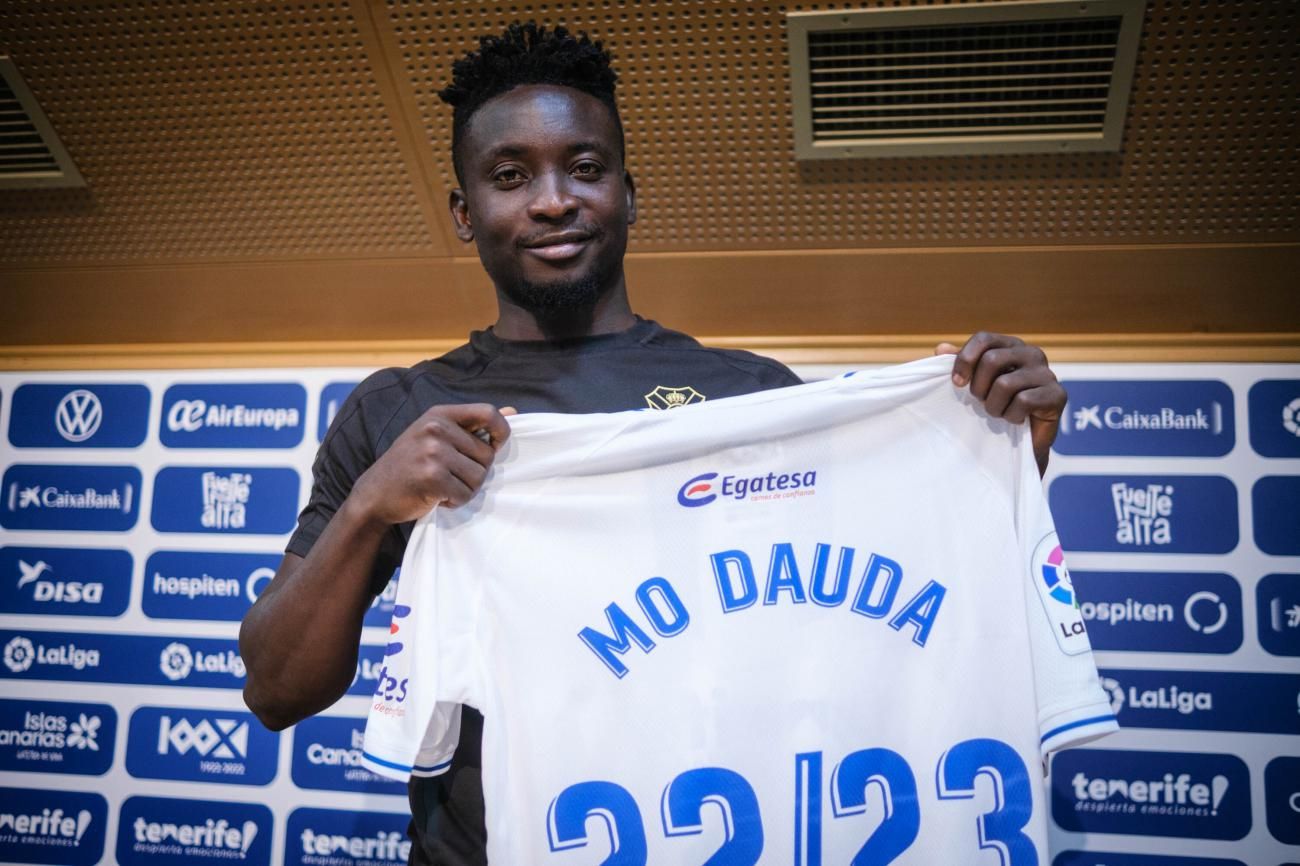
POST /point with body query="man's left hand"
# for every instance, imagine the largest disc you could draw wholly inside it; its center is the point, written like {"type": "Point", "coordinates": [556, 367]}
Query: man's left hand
{"type": "Point", "coordinates": [1011, 378]}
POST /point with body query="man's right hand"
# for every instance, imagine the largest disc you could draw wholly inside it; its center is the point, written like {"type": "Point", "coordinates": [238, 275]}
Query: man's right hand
{"type": "Point", "coordinates": [439, 460]}
{"type": "Point", "coordinates": [299, 640]}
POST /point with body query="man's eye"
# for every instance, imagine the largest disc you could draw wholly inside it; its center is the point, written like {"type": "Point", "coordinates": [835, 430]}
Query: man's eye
{"type": "Point", "coordinates": [587, 169]}
{"type": "Point", "coordinates": [507, 176]}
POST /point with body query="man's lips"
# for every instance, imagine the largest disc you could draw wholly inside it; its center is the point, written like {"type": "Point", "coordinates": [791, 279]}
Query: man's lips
{"type": "Point", "coordinates": [560, 246]}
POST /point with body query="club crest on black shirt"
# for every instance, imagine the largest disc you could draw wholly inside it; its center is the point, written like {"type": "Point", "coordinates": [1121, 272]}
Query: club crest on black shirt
{"type": "Point", "coordinates": [664, 397]}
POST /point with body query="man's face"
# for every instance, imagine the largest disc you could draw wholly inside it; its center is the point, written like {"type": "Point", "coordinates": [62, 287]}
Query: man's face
{"type": "Point", "coordinates": [546, 197]}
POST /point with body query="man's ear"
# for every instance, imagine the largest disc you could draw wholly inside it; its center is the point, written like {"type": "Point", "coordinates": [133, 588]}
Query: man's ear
{"type": "Point", "coordinates": [631, 197]}
{"type": "Point", "coordinates": [459, 207]}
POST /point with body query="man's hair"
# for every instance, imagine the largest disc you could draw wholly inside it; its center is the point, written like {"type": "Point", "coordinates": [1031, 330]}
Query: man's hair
{"type": "Point", "coordinates": [526, 54]}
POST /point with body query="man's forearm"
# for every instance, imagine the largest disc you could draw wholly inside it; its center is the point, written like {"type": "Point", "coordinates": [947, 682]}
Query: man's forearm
{"type": "Point", "coordinates": [299, 640]}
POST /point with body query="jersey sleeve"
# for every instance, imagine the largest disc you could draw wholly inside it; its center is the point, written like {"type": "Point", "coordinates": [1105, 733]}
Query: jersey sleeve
{"type": "Point", "coordinates": [1072, 707]}
{"type": "Point", "coordinates": [408, 731]}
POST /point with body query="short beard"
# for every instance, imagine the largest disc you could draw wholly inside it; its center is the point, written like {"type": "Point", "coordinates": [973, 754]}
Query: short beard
{"type": "Point", "coordinates": [559, 298]}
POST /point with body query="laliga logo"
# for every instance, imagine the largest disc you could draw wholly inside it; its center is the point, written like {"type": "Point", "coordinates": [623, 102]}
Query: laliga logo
{"type": "Point", "coordinates": [1116, 692]}
{"type": "Point", "coordinates": [176, 661]}
{"type": "Point", "coordinates": [697, 491]}
{"type": "Point", "coordinates": [19, 654]}
{"type": "Point", "coordinates": [1057, 578]}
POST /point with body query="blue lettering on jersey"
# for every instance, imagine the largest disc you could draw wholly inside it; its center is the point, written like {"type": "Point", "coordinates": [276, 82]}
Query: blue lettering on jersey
{"type": "Point", "coordinates": [64, 581]}
{"type": "Point", "coordinates": [79, 416]}
{"type": "Point", "coordinates": [94, 498]}
{"type": "Point", "coordinates": [225, 499]}
{"type": "Point", "coordinates": [251, 415]}
{"type": "Point", "coordinates": [62, 828]}
{"type": "Point", "coordinates": [56, 737]}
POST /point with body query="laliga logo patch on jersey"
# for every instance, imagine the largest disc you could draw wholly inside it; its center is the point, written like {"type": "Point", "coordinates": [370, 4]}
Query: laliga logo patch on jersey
{"type": "Point", "coordinates": [1048, 571]}
{"type": "Point", "coordinates": [664, 397]}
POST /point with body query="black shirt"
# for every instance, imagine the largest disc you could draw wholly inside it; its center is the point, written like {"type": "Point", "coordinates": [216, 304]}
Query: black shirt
{"type": "Point", "coordinates": [646, 366]}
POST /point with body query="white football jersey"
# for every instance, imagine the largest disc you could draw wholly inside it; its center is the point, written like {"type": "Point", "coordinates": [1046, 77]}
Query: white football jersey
{"type": "Point", "coordinates": [799, 626]}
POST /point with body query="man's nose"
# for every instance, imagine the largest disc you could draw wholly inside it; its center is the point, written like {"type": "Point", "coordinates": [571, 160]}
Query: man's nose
{"type": "Point", "coordinates": [553, 198]}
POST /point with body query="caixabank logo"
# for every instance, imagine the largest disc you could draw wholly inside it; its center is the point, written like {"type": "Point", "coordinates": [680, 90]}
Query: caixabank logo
{"type": "Point", "coordinates": [79, 416]}
{"type": "Point", "coordinates": [327, 756]}
{"type": "Point", "coordinates": [1204, 700]}
{"type": "Point", "coordinates": [710, 486]}
{"type": "Point", "coordinates": [1179, 612]}
{"type": "Point", "coordinates": [158, 831]}
{"type": "Point", "coordinates": [120, 658]}
{"type": "Point", "coordinates": [329, 837]}
{"type": "Point", "coordinates": [205, 585]}
{"type": "Point", "coordinates": [1170, 418]}
{"type": "Point", "coordinates": [1145, 513]}
{"type": "Point", "coordinates": [57, 737]}
{"type": "Point", "coordinates": [1189, 794]}
{"type": "Point", "coordinates": [62, 828]}
{"type": "Point", "coordinates": [250, 415]}
{"type": "Point", "coordinates": [225, 499]}
{"type": "Point", "coordinates": [92, 498]}
{"type": "Point", "coordinates": [64, 581]}
{"type": "Point", "coordinates": [196, 745]}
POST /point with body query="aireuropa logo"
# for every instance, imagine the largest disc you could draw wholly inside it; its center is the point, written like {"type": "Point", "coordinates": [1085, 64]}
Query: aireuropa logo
{"type": "Point", "coordinates": [70, 497]}
{"type": "Point", "coordinates": [205, 585]}
{"type": "Point", "coordinates": [252, 415]}
{"type": "Point", "coordinates": [330, 837]}
{"type": "Point", "coordinates": [1145, 513]}
{"type": "Point", "coordinates": [196, 745]}
{"type": "Point", "coordinates": [168, 830]}
{"type": "Point", "coordinates": [1161, 612]}
{"type": "Point", "coordinates": [1274, 414]}
{"type": "Point", "coordinates": [1205, 700]}
{"type": "Point", "coordinates": [121, 658]}
{"type": "Point", "coordinates": [1194, 795]}
{"type": "Point", "coordinates": [79, 416]}
{"type": "Point", "coordinates": [327, 757]}
{"type": "Point", "coordinates": [64, 581]}
{"type": "Point", "coordinates": [1275, 501]}
{"type": "Point", "coordinates": [56, 737]}
{"type": "Point", "coordinates": [1184, 418]}
{"type": "Point", "coordinates": [709, 486]}
{"type": "Point", "coordinates": [65, 828]}
{"type": "Point", "coordinates": [222, 499]}
{"type": "Point", "coordinates": [1056, 592]}
{"type": "Point", "coordinates": [1277, 608]}
{"type": "Point", "coordinates": [331, 401]}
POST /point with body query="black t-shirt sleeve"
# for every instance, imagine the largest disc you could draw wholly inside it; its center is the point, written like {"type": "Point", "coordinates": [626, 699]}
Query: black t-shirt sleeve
{"type": "Point", "coordinates": [347, 450]}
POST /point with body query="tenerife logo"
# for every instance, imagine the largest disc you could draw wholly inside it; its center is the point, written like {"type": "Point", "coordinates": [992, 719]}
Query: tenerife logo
{"type": "Point", "coordinates": [201, 746]}
{"type": "Point", "coordinates": [1056, 592]}
{"type": "Point", "coordinates": [663, 397]}
{"type": "Point", "coordinates": [156, 830]}
{"type": "Point", "coordinates": [56, 737]}
{"type": "Point", "coordinates": [1205, 796]}
{"type": "Point", "coordinates": [326, 837]}
{"type": "Point", "coordinates": [1148, 418]}
{"type": "Point", "coordinates": [20, 654]}
{"type": "Point", "coordinates": [327, 756]}
{"type": "Point", "coordinates": [225, 499]}
{"type": "Point", "coordinates": [57, 827]}
{"type": "Point", "coordinates": [70, 497]}
{"type": "Point", "coordinates": [703, 489]}
{"type": "Point", "coordinates": [78, 415]}
{"type": "Point", "coordinates": [233, 416]}
{"type": "Point", "coordinates": [1162, 612]}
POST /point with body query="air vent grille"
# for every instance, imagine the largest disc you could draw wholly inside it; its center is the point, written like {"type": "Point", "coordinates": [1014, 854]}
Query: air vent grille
{"type": "Point", "coordinates": [31, 154]}
{"type": "Point", "coordinates": [998, 78]}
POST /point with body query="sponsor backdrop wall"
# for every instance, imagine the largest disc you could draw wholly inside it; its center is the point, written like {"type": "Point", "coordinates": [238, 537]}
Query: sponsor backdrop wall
{"type": "Point", "coordinates": [142, 513]}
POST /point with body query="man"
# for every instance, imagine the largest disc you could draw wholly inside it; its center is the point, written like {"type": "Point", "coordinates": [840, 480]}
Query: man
{"type": "Point", "coordinates": [537, 146]}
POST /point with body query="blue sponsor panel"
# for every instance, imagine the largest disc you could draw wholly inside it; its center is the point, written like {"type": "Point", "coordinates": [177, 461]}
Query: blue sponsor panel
{"type": "Point", "coordinates": [62, 828]}
{"type": "Point", "coordinates": [57, 737]}
{"type": "Point", "coordinates": [79, 416]}
{"type": "Point", "coordinates": [372, 674]}
{"type": "Point", "coordinates": [169, 831]}
{"type": "Point", "coordinates": [1274, 415]}
{"type": "Point", "coordinates": [1204, 700]}
{"type": "Point", "coordinates": [1145, 513]}
{"type": "Point", "coordinates": [93, 498]}
{"type": "Point", "coordinates": [1275, 501]}
{"type": "Point", "coordinates": [1110, 858]}
{"type": "Point", "coordinates": [121, 658]}
{"type": "Point", "coordinates": [225, 499]}
{"type": "Point", "coordinates": [193, 745]}
{"type": "Point", "coordinates": [1277, 611]}
{"type": "Point", "coordinates": [64, 581]}
{"type": "Point", "coordinates": [205, 585]}
{"type": "Point", "coordinates": [1189, 794]}
{"type": "Point", "coordinates": [331, 400]}
{"type": "Point", "coordinates": [1282, 799]}
{"type": "Point", "coordinates": [1140, 611]}
{"type": "Point", "coordinates": [339, 838]}
{"type": "Point", "coordinates": [380, 612]}
{"type": "Point", "coordinates": [327, 757]}
{"type": "Point", "coordinates": [1170, 418]}
{"type": "Point", "coordinates": [251, 415]}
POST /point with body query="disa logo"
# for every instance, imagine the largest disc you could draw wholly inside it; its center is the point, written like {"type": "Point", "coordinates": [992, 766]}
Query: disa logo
{"type": "Point", "coordinates": [703, 489]}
